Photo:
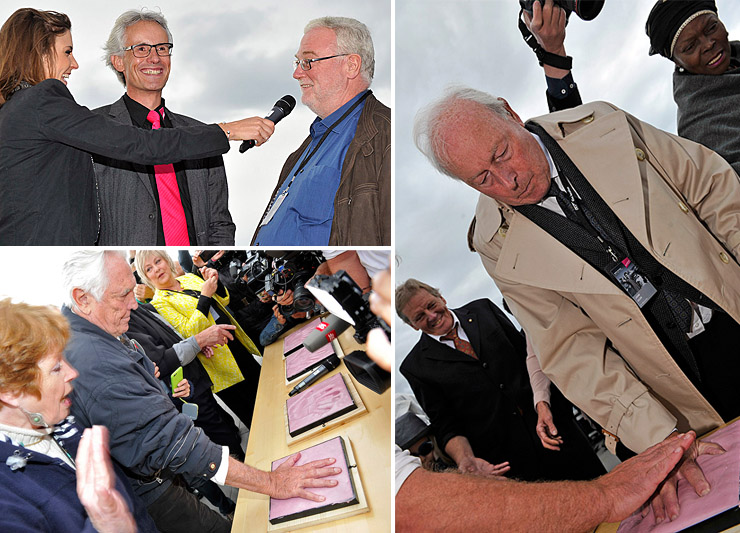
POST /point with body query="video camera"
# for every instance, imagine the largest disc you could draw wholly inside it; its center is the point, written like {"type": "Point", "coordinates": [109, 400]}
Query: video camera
{"type": "Point", "coordinates": [273, 271]}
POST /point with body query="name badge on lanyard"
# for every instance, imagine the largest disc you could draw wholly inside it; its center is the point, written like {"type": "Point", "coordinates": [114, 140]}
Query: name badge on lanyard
{"type": "Point", "coordinates": [274, 207]}
{"type": "Point", "coordinates": [634, 282]}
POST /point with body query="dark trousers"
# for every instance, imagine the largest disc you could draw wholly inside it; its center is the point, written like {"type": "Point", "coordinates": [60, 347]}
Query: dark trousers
{"type": "Point", "coordinates": [178, 511]}
{"type": "Point", "coordinates": [212, 493]}
{"type": "Point", "coordinates": [716, 353]}
{"type": "Point", "coordinates": [530, 461]}
{"type": "Point", "coordinates": [240, 397]}
{"type": "Point", "coordinates": [218, 425]}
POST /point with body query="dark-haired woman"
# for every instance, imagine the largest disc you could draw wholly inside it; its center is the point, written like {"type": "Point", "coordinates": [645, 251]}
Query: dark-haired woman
{"type": "Point", "coordinates": [48, 192]}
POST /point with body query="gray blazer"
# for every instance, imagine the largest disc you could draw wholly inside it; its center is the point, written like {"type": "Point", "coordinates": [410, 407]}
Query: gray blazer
{"type": "Point", "coordinates": [128, 209]}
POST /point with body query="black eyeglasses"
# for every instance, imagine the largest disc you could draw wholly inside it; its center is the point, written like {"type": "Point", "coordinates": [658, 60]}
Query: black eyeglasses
{"type": "Point", "coordinates": [425, 448]}
{"type": "Point", "coordinates": [306, 63]}
{"type": "Point", "coordinates": [143, 49]}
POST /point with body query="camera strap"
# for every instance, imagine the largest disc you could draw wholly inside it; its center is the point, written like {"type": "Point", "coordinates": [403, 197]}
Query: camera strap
{"type": "Point", "coordinates": [545, 57]}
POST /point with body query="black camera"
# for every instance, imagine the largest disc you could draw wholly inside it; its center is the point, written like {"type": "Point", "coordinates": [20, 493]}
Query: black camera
{"type": "Point", "coordinates": [291, 270]}
{"type": "Point", "coordinates": [255, 269]}
{"type": "Point", "coordinates": [222, 262]}
{"type": "Point", "coordinates": [275, 271]}
{"type": "Point", "coordinates": [344, 299]}
{"type": "Point", "coordinates": [585, 9]}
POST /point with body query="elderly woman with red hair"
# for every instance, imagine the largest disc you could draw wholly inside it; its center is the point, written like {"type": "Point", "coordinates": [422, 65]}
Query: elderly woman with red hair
{"type": "Point", "coordinates": [53, 476]}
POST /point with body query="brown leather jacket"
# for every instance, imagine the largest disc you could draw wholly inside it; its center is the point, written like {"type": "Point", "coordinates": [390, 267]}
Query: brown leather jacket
{"type": "Point", "coordinates": [362, 205]}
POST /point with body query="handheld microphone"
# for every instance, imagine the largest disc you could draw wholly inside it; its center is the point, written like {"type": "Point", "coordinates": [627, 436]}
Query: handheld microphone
{"type": "Point", "coordinates": [280, 110]}
{"type": "Point", "coordinates": [328, 329]}
{"type": "Point", "coordinates": [330, 364]}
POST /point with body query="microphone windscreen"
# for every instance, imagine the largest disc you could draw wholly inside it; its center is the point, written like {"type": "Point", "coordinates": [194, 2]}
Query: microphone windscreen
{"type": "Point", "coordinates": [329, 328]}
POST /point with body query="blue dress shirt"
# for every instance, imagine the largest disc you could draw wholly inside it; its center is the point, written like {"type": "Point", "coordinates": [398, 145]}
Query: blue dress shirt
{"type": "Point", "coordinates": [304, 218]}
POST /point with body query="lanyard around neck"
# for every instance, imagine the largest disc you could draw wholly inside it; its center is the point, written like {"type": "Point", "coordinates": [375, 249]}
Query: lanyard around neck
{"type": "Point", "coordinates": [326, 134]}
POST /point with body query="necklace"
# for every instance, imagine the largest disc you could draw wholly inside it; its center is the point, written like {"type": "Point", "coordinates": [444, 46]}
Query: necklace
{"type": "Point", "coordinates": [26, 444]}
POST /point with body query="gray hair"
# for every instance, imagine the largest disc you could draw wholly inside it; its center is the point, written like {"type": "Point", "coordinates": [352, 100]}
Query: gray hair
{"type": "Point", "coordinates": [406, 290]}
{"type": "Point", "coordinates": [353, 37]}
{"type": "Point", "coordinates": [86, 270]}
{"type": "Point", "coordinates": [117, 40]}
{"type": "Point", "coordinates": [432, 118]}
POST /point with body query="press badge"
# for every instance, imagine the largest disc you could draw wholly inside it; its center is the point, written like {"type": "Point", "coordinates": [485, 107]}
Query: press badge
{"type": "Point", "coordinates": [637, 286]}
{"type": "Point", "coordinates": [274, 207]}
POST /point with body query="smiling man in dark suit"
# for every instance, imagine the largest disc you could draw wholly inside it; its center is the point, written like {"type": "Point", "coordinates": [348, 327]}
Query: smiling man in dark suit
{"type": "Point", "coordinates": [183, 205]}
{"type": "Point", "coordinates": [469, 373]}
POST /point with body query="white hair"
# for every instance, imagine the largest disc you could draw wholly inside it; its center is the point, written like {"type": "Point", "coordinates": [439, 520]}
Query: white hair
{"type": "Point", "coordinates": [431, 119]}
{"type": "Point", "coordinates": [353, 37]}
{"type": "Point", "coordinates": [86, 270]}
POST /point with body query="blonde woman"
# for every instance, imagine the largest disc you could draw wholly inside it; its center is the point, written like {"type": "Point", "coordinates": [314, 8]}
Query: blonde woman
{"type": "Point", "coordinates": [191, 304]}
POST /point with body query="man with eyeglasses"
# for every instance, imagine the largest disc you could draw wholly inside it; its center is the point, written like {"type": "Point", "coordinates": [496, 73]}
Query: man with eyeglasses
{"type": "Point", "coordinates": [335, 189]}
{"type": "Point", "coordinates": [181, 204]}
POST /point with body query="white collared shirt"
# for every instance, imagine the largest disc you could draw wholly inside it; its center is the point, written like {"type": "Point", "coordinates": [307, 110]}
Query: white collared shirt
{"type": "Point", "coordinates": [460, 332]}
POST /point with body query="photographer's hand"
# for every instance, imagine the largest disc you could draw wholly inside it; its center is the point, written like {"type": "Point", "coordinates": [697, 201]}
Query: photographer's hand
{"type": "Point", "coordinates": [547, 24]}
{"type": "Point", "coordinates": [197, 261]}
{"type": "Point", "coordinates": [284, 298]}
{"type": "Point", "coordinates": [280, 318]}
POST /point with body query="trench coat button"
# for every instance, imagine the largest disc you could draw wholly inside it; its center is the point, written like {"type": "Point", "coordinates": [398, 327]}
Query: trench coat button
{"type": "Point", "coordinates": [588, 120]}
{"type": "Point", "coordinates": [682, 207]}
{"type": "Point", "coordinates": [151, 216]}
{"type": "Point", "coordinates": [502, 231]}
{"type": "Point", "coordinates": [485, 365]}
{"type": "Point", "coordinates": [640, 154]}
{"type": "Point", "coordinates": [723, 257]}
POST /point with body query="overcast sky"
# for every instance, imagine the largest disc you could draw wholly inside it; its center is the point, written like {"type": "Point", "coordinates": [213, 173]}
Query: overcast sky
{"type": "Point", "coordinates": [230, 60]}
{"type": "Point", "coordinates": [477, 43]}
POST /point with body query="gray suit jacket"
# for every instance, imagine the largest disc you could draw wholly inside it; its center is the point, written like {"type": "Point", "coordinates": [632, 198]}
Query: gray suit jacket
{"type": "Point", "coordinates": [128, 209]}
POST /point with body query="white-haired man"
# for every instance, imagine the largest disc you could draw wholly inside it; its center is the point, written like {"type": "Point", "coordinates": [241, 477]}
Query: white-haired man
{"type": "Point", "coordinates": [615, 245]}
{"type": "Point", "coordinates": [335, 189]}
{"type": "Point", "coordinates": [117, 388]}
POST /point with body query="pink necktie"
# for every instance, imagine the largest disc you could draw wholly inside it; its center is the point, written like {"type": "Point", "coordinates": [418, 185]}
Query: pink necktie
{"type": "Point", "coordinates": [173, 215]}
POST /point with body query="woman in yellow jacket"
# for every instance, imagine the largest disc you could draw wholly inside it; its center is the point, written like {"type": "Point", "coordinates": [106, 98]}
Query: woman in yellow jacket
{"type": "Point", "coordinates": [192, 304]}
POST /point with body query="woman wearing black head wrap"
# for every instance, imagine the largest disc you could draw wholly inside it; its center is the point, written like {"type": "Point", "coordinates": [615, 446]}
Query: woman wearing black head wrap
{"type": "Point", "coordinates": [706, 82]}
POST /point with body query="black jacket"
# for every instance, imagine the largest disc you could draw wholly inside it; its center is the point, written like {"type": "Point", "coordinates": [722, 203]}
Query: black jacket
{"type": "Point", "coordinates": [489, 401]}
{"type": "Point", "coordinates": [47, 184]}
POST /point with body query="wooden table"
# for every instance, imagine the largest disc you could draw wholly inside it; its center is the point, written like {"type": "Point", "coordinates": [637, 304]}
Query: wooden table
{"type": "Point", "coordinates": [369, 433]}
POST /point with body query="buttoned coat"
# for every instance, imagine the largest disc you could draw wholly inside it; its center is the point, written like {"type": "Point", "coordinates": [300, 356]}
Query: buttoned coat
{"type": "Point", "coordinates": [489, 400]}
{"type": "Point", "coordinates": [478, 399]}
{"type": "Point", "coordinates": [682, 202]}
{"type": "Point", "coordinates": [128, 208]}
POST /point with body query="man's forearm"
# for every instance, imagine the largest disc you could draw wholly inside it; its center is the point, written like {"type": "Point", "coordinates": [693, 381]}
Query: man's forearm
{"type": "Point", "coordinates": [243, 476]}
{"type": "Point", "coordinates": [458, 448]}
{"type": "Point", "coordinates": [450, 502]}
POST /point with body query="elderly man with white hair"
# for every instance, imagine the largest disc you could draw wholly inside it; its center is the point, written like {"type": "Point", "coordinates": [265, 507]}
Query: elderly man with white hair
{"type": "Point", "coordinates": [117, 387]}
{"type": "Point", "coordinates": [336, 188]}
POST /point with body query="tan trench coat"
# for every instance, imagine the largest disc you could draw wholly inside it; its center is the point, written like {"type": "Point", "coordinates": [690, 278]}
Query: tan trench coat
{"type": "Point", "coordinates": [682, 202]}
